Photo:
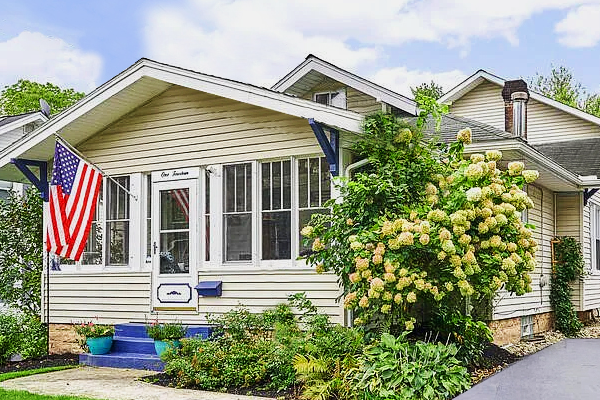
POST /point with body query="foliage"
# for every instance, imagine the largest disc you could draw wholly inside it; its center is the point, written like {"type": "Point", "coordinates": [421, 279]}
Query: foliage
{"type": "Point", "coordinates": [24, 96]}
{"type": "Point", "coordinates": [470, 336]}
{"type": "Point", "coordinates": [166, 330]}
{"type": "Point", "coordinates": [420, 224]}
{"type": "Point", "coordinates": [246, 350]}
{"type": "Point", "coordinates": [393, 368]}
{"type": "Point", "coordinates": [23, 395]}
{"type": "Point", "coordinates": [28, 372]}
{"type": "Point", "coordinates": [432, 90]}
{"type": "Point", "coordinates": [91, 330]}
{"type": "Point", "coordinates": [568, 268]}
{"type": "Point", "coordinates": [561, 86]}
{"type": "Point", "coordinates": [21, 251]}
{"type": "Point", "coordinates": [21, 334]}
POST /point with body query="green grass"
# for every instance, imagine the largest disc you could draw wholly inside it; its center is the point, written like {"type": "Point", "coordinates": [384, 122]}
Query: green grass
{"type": "Point", "coordinates": [22, 395]}
{"type": "Point", "coordinates": [19, 374]}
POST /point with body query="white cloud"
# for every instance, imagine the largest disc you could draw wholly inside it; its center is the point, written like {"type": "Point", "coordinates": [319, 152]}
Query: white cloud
{"type": "Point", "coordinates": [259, 40]}
{"type": "Point", "coordinates": [401, 79]}
{"type": "Point", "coordinates": [34, 56]}
{"type": "Point", "coordinates": [580, 28]}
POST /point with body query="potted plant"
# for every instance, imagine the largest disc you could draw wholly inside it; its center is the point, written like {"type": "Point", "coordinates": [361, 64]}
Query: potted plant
{"type": "Point", "coordinates": [165, 335]}
{"type": "Point", "coordinates": [98, 337]}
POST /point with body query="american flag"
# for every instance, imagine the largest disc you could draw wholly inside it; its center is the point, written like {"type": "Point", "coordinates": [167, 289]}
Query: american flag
{"type": "Point", "coordinates": [182, 200]}
{"type": "Point", "coordinates": [74, 192]}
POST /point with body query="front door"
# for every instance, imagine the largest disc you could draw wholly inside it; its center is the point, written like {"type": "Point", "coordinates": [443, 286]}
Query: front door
{"type": "Point", "coordinates": [174, 256]}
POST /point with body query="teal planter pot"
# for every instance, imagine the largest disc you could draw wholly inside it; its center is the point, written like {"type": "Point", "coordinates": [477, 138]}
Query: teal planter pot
{"type": "Point", "coordinates": [162, 345]}
{"type": "Point", "coordinates": [99, 345]}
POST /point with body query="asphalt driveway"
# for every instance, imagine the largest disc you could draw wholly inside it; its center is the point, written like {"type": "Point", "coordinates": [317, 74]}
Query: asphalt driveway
{"type": "Point", "coordinates": [569, 369]}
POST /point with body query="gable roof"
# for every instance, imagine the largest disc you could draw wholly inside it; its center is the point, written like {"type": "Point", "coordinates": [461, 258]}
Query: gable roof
{"type": "Point", "coordinates": [313, 69]}
{"type": "Point", "coordinates": [481, 76]}
{"type": "Point", "coordinates": [10, 122]}
{"type": "Point", "coordinates": [137, 85]}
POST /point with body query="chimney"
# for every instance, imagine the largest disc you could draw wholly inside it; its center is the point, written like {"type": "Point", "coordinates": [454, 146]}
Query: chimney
{"type": "Point", "coordinates": [515, 94]}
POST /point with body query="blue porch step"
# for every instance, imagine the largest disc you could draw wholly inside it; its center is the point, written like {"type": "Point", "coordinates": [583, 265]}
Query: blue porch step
{"type": "Point", "coordinates": [132, 348]}
{"type": "Point", "coordinates": [123, 360]}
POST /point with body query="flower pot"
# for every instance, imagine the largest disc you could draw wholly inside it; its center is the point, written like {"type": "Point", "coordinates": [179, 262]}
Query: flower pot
{"type": "Point", "coordinates": [99, 345]}
{"type": "Point", "coordinates": [161, 345]}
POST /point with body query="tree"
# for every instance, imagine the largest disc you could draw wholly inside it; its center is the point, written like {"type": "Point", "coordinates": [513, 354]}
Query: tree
{"type": "Point", "coordinates": [24, 96]}
{"type": "Point", "coordinates": [421, 224]}
{"type": "Point", "coordinates": [432, 90]}
{"type": "Point", "coordinates": [21, 251]}
{"type": "Point", "coordinates": [561, 86]}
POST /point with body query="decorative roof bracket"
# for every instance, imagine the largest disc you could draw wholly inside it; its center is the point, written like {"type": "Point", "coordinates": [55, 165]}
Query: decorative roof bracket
{"type": "Point", "coordinates": [587, 194]}
{"type": "Point", "coordinates": [330, 145]}
{"type": "Point", "coordinates": [40, 183]}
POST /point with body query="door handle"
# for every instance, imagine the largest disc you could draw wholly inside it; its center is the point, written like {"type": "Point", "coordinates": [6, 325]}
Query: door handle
{"type": "Point", "coordinates": [154, 247]}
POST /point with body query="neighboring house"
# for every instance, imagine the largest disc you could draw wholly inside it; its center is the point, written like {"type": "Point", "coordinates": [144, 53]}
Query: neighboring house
{"type": "Point", "coordinates": [12, 128]}
{"type": "Point", "coordinates": [253, 165]}
{"type": "Point", "coordinates": [563, 143]}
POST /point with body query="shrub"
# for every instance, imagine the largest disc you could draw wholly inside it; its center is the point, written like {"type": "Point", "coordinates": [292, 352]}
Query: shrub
{"type": "Point", "coordinates": [34, 340]}
{"type": "Point", "coordinates": [166, 331]}
{"type": "Point", "coordinates": [10, 335]}
{"type": "Point", "coordinates": [246, 350]}
{"type": "Point", "coordinates": [421, 224]}
{"type": "Point", "coordinates": [396, 369]}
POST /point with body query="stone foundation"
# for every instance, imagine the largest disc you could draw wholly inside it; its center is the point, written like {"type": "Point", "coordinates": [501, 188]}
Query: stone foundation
{"type": "Point", "coordinates": [63, 339]}
{"type": "Point", "coordinates": [509, 330]}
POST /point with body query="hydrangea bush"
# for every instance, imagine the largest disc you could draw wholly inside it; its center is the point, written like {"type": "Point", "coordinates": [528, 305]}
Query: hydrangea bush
{"type": "Point", "coordinates": [423, 224]}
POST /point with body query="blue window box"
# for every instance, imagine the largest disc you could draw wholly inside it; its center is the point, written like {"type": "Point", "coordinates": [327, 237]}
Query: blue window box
{"type": "Point", "coordinates": [209, 288]}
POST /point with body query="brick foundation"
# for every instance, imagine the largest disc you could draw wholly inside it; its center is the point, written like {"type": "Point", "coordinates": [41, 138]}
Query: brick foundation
{"type": "Point", "coordinates": [509, 330]}
{"type": "Point", "coordinates": [63, 339]}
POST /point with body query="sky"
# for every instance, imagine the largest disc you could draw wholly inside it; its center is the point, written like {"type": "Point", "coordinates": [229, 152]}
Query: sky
{"type": "Point", "coordinates": [395, 43]}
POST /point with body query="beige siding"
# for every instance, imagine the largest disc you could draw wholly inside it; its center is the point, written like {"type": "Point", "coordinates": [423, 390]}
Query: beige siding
{"type": "Point", "coordinates": [185, 128]}
{"type": "Point", "coordinates": [591, 282]}
{"type": "Point", "coordinates": [125, 297]}
{"type": "Point", "coordinates": [569, 220]}
{"type": "Point", "coordinates": [538, 301]}
{"type": "Point", "coordinates": [361, 103]}
{"type": "Point", "coordinates": [484, 104]}
{"type": "Point", "coordinates": [548, 124]}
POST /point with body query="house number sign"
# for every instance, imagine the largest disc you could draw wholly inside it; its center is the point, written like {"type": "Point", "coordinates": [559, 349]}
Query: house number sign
{"type": "Point", "coordinates": [175, 174]}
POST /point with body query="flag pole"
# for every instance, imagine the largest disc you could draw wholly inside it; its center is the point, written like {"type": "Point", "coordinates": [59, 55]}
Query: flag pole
{"type": "Point", "coordinates": [67, 144]}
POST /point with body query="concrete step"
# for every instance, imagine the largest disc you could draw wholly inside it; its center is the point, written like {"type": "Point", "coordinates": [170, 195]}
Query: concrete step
{"type": "Point", "coordinates": [132, 330]}
{"type": "Point", "coordinates": [123, 360]}
{"type": "Point", "coordinates": [124, 344]}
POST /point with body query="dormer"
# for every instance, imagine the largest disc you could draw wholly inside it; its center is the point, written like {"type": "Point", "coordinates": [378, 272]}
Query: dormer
{"type": "Point", "coordinates": [322, 82]}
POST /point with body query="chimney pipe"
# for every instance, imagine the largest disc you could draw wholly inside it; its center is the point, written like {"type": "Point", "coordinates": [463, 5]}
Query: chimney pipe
{"type": "Point", "coordinates": [516, 95]}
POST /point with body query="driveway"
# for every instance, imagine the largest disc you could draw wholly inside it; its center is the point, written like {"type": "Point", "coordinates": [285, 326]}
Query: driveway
{"type": "Point", "coordinates": [569, 369]}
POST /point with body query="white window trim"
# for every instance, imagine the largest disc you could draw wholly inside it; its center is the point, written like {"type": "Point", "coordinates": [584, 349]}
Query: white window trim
{"type": "Point", "coordinates": [340, 92]}
{"type": "Point", "coordinates": [594, 227]}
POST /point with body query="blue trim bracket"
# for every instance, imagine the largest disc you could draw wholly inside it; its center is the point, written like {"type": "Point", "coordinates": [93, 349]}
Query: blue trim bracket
{"type": "Point", "coordinates": [587, 194]}
{"type": "Point", "coordinates": [330, 145]}
{"type": "Point", "coordinates": [40, 183]}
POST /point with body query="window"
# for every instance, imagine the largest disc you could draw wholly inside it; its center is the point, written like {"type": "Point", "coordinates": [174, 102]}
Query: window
{"type": "Point", "coordinates": [314, 189]}
{"type": "Point", "coordinates": [237, 213]}
{"type": "Point", "coordinates": [117, 222]}
{"type": "Point", "coordinates": [334, 98]}
{"type": "Point", "coordinates": [207, 215]}
{"type": "Point", "coordinates": [595, 235]}
{"type": "Point", "coordinates": [92, 254]}
{"type": "Point", "coordinates": [148, 218]}
{"type": "Point", "coordinates": [276, 214]}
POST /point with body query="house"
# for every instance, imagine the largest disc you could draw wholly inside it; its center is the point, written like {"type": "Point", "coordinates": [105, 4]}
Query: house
{"type": "Point", "coordinates": [12, 128]}
{"type": "Point", "coordinates": [221, 175]}
{"type": "Point", "coordinates": [563, 143]}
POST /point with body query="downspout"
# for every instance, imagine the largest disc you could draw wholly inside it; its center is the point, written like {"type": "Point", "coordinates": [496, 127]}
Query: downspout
{"type": "Point", "coordinates": [349, 315]}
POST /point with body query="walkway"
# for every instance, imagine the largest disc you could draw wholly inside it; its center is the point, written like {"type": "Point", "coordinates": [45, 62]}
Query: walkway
{"type": "Point", "coordinates": [566, 370]}
{"type": "Point", "coordinates": [109, 384]}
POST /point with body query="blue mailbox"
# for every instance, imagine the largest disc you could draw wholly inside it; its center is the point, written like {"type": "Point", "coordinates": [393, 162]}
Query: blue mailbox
{"type": "Point", "coordinates": [209, 288]}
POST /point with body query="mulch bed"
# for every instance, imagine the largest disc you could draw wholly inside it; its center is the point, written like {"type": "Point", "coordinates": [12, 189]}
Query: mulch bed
{"type": "Point", "coordinates": [163, 379]}
{"type": "Point", "coordinates": [53, 360]}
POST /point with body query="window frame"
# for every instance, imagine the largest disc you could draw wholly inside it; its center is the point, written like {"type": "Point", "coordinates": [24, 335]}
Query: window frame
{"type": "Point", "coordinates": [339, 92]}
{"type": "Point", "coordinates": [594, 237]}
